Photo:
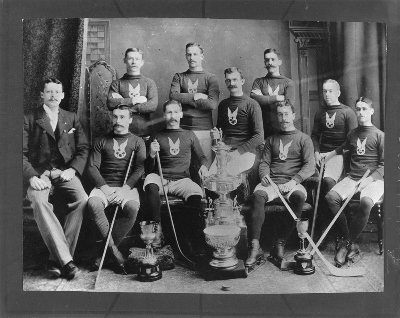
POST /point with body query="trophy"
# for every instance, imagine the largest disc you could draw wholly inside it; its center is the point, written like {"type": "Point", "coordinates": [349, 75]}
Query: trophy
{"type": "Point", "coordinates": [149, 268]}
{"type": "Point", "coordinates": [303, 257]}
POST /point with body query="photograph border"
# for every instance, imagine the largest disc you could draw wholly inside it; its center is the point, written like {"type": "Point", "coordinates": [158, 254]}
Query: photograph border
{"type": "Point", "coordinates": [19, 303]}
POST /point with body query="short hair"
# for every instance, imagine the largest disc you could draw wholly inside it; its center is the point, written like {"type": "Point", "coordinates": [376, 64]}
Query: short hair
{"type": "Point", "coordinates": [231, 70]}
{"type": "Point", "coordinates": [365, 100]}
{"type": "Point", "coordinates": [125, 107]}
{"type": "Point", "coordinates": [285, 103]}
{"type": "Point", "coordinates": [278, 54]}
{"type": "Point", "coordinates": [169, 102]}
{"type": "Point", "coordinates": [331, 81]}
{"type": "Point", "coordinates": [190, 44]}
{"type": "Point", "coordinates": [52, 80]}
{"type": "Point", "coordinates": [134, 49]}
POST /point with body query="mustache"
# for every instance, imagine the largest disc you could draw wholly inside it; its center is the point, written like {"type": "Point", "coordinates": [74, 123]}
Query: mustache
{"type": "Point", "coordinates": [232, 86]}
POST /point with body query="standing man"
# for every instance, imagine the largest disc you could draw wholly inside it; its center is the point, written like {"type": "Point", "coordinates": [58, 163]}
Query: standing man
{"type": "Point", "coordinates": [175, 146]}
{"type": "Point", "coordinates": [136, 91]}
{"type": "Point", "coordinates": [240, 119]}
{"type": "Point", "coordinates": [55, 151]}
{"type": "Point", "coordinates": [366, 147]}
{"type": "Point", "coordinates": [288, 159]}
{"type": "Point", "coordinates": [198, 92]}
{"type": "Point", "coordinates": [107, 168]}
{"type": "Point", "coordinates": [270, 89]}
{"type": "Point", "coordinates": [332, 123]}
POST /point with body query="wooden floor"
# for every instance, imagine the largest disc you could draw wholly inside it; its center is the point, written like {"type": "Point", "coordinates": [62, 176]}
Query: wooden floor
{"type": "Point", "coordinates": [267, 279]}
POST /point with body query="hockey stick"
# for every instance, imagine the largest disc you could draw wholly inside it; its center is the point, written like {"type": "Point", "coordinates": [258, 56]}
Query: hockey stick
{"type": "Point", "coordinates": [356, 188]}
{"type": "Point", "coordinates": [321, 174]}
{"type": "Point", "coordinates": [169, 210]}
{"type": "Point", "coordinates": [340, 272]}
{"type": "Point", "coordinates": [111, 226]}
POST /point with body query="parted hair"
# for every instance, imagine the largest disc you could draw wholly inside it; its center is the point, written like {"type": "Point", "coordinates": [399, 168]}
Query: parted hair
{"type": "Point", "coordinates": [285, 103]}
{"type": "Point", "coordinates": [134, 49]}
{"type": "Point", "coordinates": [190, 44]}
{"type": "Point", "coordinates": [53, 80]}
{"type": "Point", "coordinates": [231, 70]}
{"type": "Point", "coordinates": [169, 102]}
{"type": "Point", "coordinates": [366, 100]}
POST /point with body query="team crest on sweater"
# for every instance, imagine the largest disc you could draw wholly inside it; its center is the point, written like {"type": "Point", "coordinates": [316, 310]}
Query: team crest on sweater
{"type": "Point", "coordinates": [192, 87]}
{"type": "Point", "coordinates": [119, 150]}
{"type": "Point", "coordinates": [134, 92]}
{"type": "Point", "coordinates": [361, 146]}
{"type": "Point", "coordinates": [284, 149]}
{"type": "Point", "coordinates": [232, 116]}
{"type": "Point", "coordinates": [330, 121]}
{"type": "Point", "coordinates": [174, 147]}
{"type": "Point", "coordinates": [271, 92]}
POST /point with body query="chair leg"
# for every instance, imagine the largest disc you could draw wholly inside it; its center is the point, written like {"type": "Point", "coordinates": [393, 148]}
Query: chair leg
{"type": "Point", "coordinates": [380, 228]}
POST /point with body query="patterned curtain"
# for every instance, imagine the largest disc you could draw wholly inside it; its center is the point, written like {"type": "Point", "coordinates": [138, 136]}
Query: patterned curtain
{"type": "Point", "coordinates": [358, 52]}
{"type": "Point", "coordinates": [52, 48]}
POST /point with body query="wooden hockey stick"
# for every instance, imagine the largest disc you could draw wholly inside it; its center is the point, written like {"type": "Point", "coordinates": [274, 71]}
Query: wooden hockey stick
{"type": "Point", "coordinates": [321, 174]}
{"type": "Point", "coordinates": [340, 272]}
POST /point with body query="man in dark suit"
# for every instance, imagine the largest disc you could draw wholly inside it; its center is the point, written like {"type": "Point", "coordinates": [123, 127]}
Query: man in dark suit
{"type": "Point", "coordinates": [55, 151]}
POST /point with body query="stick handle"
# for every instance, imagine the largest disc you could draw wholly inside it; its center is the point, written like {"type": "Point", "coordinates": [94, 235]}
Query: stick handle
{"type": "Point", "coordinates": [321, 173]}
{"type": "Point", "coordinates": [341, 209]}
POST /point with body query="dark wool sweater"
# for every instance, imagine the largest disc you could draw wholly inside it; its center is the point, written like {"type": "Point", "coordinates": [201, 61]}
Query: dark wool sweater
{"type": "Point", "coordinates": [366, 146]}
{"type": "Point", "coordinates": [176, 147]}
{"type": "Point", "coordinates": [331, 126]}
{"type": "Point", "coordinates": [197, 115]}
{"type": "Point", "coordinates": [127, 86]}
{"type": "Point", "coordinates": [270, 86]}
{"type": "Point", "coordinates": [110, 157]}
{"type": "Point", "coordinates": [240, 119]}
{"type": "Point", "coordinates": [287, 162]}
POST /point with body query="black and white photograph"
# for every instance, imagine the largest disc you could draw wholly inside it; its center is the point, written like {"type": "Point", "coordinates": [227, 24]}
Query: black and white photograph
{"type": "Point", "coordinates": [203, 156]}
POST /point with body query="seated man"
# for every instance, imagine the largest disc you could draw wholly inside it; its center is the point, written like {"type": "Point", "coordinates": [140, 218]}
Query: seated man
{"type": "Point", "coordinates": [288, 159]}
{"type": "Point", "coordinates": [107, 169]}
{"type": "Point", "coordinates": [366, 147]}
{"type": "Point", "coordinates": [55, 151]}
{"type": "Point", "coordinates": [240, 119]}
{"type": "Point", "coordinates": [175, 146]}
{"type": "Point", "coordinates": [136, 91]}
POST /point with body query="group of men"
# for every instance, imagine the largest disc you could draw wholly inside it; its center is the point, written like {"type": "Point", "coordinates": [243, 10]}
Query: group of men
{"type": "Point", "coordinates": [56, 152]}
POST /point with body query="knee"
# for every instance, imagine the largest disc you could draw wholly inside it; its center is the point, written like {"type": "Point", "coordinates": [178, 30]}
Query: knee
{"type": "Point", "coordinates": [152, 188]}
{"type": "Point", "coordinates": [327, 184]}
{"type": "Point", "coordinates": [37, 197]}
{"type": "Point", "coordinates": [95, 204]}
{"type": "Point", "coordinates": [258, 198]}
{"type": "Point", "coordinates": [297, 197]}
{"type": "Point", "coordinates": [333, 198]}
{"type": "Point", "coordinates": [366, 205]}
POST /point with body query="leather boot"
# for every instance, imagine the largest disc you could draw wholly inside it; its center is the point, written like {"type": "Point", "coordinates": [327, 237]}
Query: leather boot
{"type": "Point", "coordinates": [255, 252]}
{"type": "Point", "coordinates": [118, 260]}
{"type": "Point", "coordinates": [159, 239]}
{"type": "Point", "coordinates": [278, 250]}
{"type": "Point", "coordinates": [354, 253]}
{"type": "Point", "coordinates": [341, 255]}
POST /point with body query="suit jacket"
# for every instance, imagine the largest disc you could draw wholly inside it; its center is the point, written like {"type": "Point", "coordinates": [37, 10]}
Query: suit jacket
{"type": "Point", "coordinates": [39, 140]}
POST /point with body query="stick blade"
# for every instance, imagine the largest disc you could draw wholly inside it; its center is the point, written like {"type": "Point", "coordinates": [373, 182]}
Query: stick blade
{"type": "Point", "coordinates": [347, 272]}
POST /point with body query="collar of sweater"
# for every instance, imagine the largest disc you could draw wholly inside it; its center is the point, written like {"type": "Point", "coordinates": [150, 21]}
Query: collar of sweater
{"type": "Point", "coordinates": [131, 77]}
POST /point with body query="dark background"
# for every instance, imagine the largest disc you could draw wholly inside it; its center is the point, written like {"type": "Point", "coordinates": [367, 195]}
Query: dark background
{"type": "Point", "coordinates": [15, 302]}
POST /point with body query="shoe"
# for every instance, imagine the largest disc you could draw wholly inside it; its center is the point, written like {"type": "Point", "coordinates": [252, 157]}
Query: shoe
{"type": "Point", "coordinates": [278, 250]}
{"type": "Point", "coordinates": [354, 254]}
{"type": "Point", "coordinates": [338, 242]}
{"type": "Point", "coordinates": [341, 255]}
{"type": "Point", "coordinates": [255, 252]}
{"type": "Point", "coordinates": [70, 271]}
{"type": "Point", "coordinates": [118, 260]}
{"type": "Point", "coordinates": [53, 269]}
{"type": "Point", "coordinates": [159, 239]}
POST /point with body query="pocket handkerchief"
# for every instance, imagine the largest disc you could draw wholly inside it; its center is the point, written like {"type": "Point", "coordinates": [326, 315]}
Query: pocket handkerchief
{"type": "Point", "coordinates": [71, 130]}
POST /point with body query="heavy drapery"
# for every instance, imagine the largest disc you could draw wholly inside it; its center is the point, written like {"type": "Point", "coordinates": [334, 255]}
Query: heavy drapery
{"type": "Point", "coordinates": [358, 55]}
{"type": "Point", "coordinates": [52, 48]}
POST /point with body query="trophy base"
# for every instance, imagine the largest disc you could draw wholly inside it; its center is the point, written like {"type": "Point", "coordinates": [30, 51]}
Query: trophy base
{"type": "Point", "coordinates": [304, 264]}
{"type": "Point", "coordinates": [212, 273]}
{"type": "Point", "coordinates": [149, 272]}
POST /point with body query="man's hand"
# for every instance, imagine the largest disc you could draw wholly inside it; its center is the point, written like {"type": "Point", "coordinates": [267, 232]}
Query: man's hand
{"type": "Point", "coordinates": [109, 193]}
{"type": "Point", "coordinates": [154, 148]}
{"type": "Point", "coordinates": [257, 91]}
{"type": "Point", "coordinates": [215, 133]}
{"type": "Point", "coordinates": [200, 96]}
{"type": "Point", "coordinates": [318, 158]}
{"type": "Point", "coordinates": [287, 187]}
{"type": "Point", "coordinates": [203, 171]}
{"type": "Point", "coordinates": [232, 155]}
{"type": "Point", "coordinates": [328, 155]}
{"type": "Point", "coordinates": [37, 183]}
{"type": "Point", "coordinates": [365, 182]}
{"type": "Point", "coordinates": [264, 181]}
{"type": "Point", "coordinates": [67, 174]}
{"type": "Point", "coordinates": [280, 98]}
{"type": "Point", "coordinates": [139, 100]}
{"type": "Point", "coordinates": [121, 193]}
